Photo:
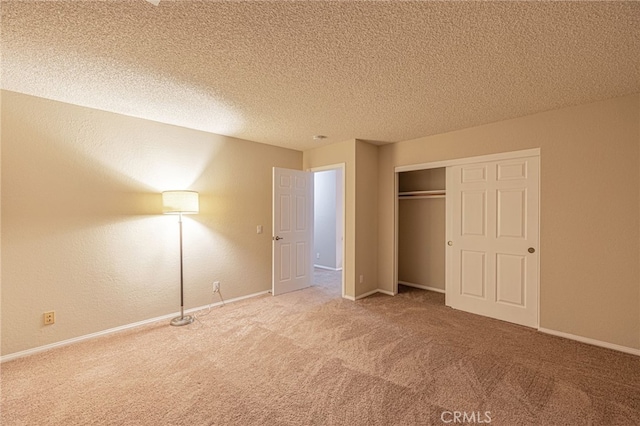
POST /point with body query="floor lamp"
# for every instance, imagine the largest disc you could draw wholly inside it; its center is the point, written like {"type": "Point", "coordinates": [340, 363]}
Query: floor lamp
{"type": "Point", "coordinates": [180, 202]}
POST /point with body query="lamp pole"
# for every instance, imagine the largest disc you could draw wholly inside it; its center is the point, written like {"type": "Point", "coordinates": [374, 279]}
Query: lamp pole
{"type": "Point", "coordinates": [180, 202]}
{"type": "Point", "coordinates": [181, 320]}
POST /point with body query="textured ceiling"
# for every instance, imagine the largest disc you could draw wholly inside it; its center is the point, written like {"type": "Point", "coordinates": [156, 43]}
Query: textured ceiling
{"type": "Point", "coordinates": [281, 72]}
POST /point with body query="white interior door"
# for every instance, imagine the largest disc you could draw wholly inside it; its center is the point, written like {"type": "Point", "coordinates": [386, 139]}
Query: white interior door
{"type": "Point", "coordinates": [493, 239]}
{"type": "Point", "coordinates": [292, 230]}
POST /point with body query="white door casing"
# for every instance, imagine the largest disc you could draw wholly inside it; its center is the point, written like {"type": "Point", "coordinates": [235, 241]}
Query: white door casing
{"type": "Point", "coordinates": [292, 244]}
{"type": "Point", "coordinates": [493, 239]}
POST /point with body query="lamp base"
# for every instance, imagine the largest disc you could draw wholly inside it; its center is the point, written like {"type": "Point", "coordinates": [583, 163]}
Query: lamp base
{"type": "Point", "coordinates": [182, 320]}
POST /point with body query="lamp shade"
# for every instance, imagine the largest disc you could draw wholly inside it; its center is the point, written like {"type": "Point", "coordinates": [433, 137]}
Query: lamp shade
{"type": "Point", "coordinates": [175, 202]}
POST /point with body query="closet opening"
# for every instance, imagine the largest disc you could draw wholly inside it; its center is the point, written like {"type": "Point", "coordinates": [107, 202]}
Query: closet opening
{"type": "Point", "coordinates": [421, 230]}
{"type": "Point", "coordinates": [469, 228]}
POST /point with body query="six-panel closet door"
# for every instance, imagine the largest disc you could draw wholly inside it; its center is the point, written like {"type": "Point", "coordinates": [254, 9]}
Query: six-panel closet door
{"type": "Point", "coordinates": [492, 239]}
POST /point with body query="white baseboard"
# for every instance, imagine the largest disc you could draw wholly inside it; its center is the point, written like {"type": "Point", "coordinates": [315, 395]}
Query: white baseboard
{"type": "Point", "coordinates": [422, 287]}
{"type": "Point", "coordinates": [589, 341]}
{"type": "Point", "coordinates": [67, 342]}
{"type": "Point", "coordinates": [369, 293]}
{"type": "Point", "coordinates": [328, 268]}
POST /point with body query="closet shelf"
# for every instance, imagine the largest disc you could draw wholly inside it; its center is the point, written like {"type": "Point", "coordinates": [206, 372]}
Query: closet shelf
{"type": "Point", "coordinates": [413, 195]}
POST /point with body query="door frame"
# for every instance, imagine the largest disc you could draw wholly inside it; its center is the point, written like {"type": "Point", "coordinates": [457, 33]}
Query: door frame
{"type": "Point", "coordinates": [342, 167]}
{"type": "Point", "coordinates": [456, 162]}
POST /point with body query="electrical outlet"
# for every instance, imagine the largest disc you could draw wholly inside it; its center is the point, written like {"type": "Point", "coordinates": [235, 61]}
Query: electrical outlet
{"type": "Point", "coordinates": [361, 279]}
{"type": "Point", "coordinates": [49, 317]}
{"type": "Point", "coordinates": [216, 286]}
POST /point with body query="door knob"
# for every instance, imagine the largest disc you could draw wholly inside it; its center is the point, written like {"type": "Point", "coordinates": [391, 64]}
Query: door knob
{"type": "Point", "coordinates": [531, 250]}
{"type": "Point", "coordinates": [278, 238]}
{"type": "Point", "coordinates": [449, 243]}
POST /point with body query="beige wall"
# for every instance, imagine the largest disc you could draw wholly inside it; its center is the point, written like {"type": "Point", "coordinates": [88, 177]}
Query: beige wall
{"type": "Point", "coordinates": [82, 229]}
{"type": "Point", "coordinates": [1, 98]}
{"type": "Point", "coordinates": [366, 217]}
{"type": "Point", "coordinates": [590, 209]}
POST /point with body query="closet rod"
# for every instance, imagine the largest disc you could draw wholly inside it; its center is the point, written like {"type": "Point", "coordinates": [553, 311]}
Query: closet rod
{"type": "Point", "coordinates": [405, 195]}
{"type": "Point", "coordinates": [419, 197]}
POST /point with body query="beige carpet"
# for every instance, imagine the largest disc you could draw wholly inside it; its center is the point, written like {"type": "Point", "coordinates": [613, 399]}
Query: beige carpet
{"type": "Point", "coordinates": [312, 358]}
